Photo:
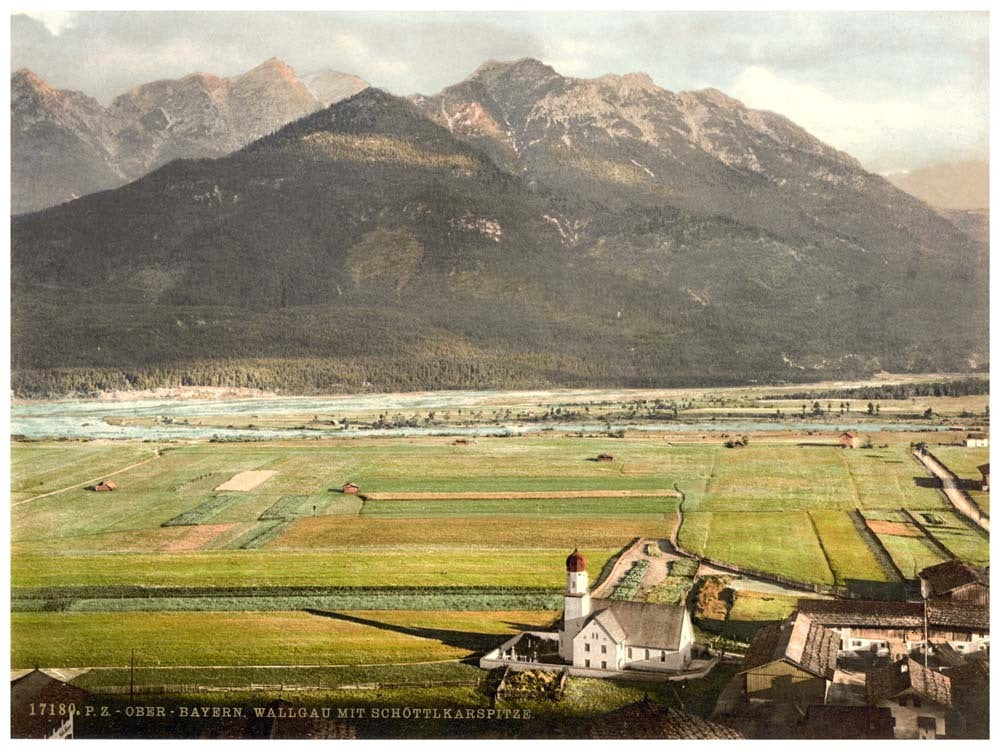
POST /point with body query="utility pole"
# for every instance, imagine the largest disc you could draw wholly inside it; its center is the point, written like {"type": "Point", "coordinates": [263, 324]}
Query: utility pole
{"type": "Point", "coordinates": [131, 679]}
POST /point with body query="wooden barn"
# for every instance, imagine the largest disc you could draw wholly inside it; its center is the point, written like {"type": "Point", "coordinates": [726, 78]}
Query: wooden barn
{"type": "Point", "coordinates": [956, 582]}
{"type": "Point", "coordinates": [105, 487]}
{"type": "Point", "coordinates": [849, 440]}
{"type": "Point", "coordinates": [351, 488]}
{"type": "Point", "coordinates": [791, 661]}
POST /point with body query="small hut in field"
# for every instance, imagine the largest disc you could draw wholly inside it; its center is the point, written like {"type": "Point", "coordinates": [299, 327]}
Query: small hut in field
{"type": "Point", "coordinates": [849, 440]}
{"type": "Point", "coordinates": [105, 486]}
{"type": "Point", "coordinates": [351, 488]}
{"type": "Point", "coordinates": [605, 457]}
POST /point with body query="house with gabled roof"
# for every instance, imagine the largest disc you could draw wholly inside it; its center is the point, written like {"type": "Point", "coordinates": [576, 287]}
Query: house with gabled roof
{"type": "Point", "coordinates": [918, 697]}
{"type": "Point", "coordinates": [791, 661]}
{"type": "Point", "coordinates": [896, 629]}
{"type": "Point", "coordinates": [977, 440]}
{"type": "Point", "coordinates": [954, 580]}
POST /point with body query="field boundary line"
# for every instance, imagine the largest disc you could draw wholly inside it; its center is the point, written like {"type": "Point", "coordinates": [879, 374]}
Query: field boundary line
{"type": "Point", "coordinates": [850, 478]}
{"type": "Point", "coordinates": [822, 548]}
{"type": "Point", "coordinates": [930, 536]}
{"type": "Point", "coordinates": [518, 495]}
{"type": "Point", "coordinates": [87, 481]}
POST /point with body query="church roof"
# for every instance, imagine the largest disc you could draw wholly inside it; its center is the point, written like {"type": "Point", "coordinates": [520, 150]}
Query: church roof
{"type": "Point", "coordinates": [576, 563]}
{"type": "Point", "coordinates": [641, 624]}
{"type": "Point", "coordinates": [609, 622]}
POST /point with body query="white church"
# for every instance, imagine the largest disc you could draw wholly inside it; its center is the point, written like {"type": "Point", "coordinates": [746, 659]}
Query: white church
{"type": "Point", "coordinates": [618, 635]}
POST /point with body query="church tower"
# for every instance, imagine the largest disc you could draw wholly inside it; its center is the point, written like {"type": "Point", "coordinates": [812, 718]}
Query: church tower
{"type": "Point", "coordinates": [576, 603]}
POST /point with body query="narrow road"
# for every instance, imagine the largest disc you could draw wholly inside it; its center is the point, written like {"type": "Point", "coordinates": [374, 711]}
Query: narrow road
{"type": "Point", "coordinates": [86, 482]}
{"type": "Point", "coordinates": [952, 491]}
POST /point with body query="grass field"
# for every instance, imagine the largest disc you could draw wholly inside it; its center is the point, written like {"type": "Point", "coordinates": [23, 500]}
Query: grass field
{"type": "Point", "coordinates": [37, 468]}
{"type": "Point", "coordinates": [890, 478]}
{"type": "Point", "coordinates": [847, 553]}
{"type": "Point", "coordinates": [766, 477]}
{"type": "Point", "coordinates": [391, 566]}
{"type": "Point", "coordinates": [783, 543]}
{"type": "Point", "coordinates": [911, 554]}
{"type": "Point", "coordinates": [282, 638]}
{"type": "Point", "coordinates": [966, 541]}
{"type": "Point", "coordinates": [499, 532]}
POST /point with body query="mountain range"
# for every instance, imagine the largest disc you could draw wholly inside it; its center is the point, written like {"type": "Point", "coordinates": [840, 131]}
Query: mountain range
{"type": "Point", "coordinates": [518, 229]}
{"type": "Point", "coordinates": [65, 144]}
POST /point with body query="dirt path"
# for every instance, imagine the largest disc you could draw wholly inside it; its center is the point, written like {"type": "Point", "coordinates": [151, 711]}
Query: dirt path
{"type": "Point", "coordinates": [656, 572]}
{"type": "Point", "coordinates": [86, 482]}
{"type": "Point", "coordinates": [562, 494]}
{"type": "Point", "coordinates": [956, 496]}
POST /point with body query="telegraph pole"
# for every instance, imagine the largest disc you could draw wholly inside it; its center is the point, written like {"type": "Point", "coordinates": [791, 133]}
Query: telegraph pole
{"type": "Point", "coordinates": [131, 679]}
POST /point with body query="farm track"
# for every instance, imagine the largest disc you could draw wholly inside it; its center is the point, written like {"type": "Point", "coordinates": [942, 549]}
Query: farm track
{"type": "Point", "coordinates": [952, 491]}
{"type": "Point", "coordinates": [541, 495]}
{"type": "Point", "coordinates": [86, 481]}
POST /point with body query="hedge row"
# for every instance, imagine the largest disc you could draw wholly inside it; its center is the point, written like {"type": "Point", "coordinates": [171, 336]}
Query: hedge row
{"type": "Point", "coordinates": [201, 513]}
{"type": "Point", "coordinates": [357, 600]}
{"type": "Point", "coordinates": [283, 508]}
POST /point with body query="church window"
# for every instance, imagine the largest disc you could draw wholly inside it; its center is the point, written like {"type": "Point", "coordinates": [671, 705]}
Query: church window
{"type": "Point", "coordinates": [663, 656]}
{"type": "Point", "coordinates": [647, 654]}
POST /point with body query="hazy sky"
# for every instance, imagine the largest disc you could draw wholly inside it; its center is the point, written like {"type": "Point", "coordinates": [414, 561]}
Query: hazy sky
{"type": "Point", "coordinates": [896, 90]}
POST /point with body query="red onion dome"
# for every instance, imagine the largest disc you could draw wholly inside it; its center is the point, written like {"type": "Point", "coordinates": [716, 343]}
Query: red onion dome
{"type": "Point", "coordinates": [576, 563]}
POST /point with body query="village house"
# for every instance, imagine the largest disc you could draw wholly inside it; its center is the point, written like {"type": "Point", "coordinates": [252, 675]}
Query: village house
{"type": "Point", "coordinates": [849, 440]}
{"type": "Point", "coordinates": [791, 661]}
{"type": "Point", "coordinates": [919, 698]}
{"type": "Point", "coordinates": [955, 581]}
{"type": "Point", "coordinates": [105, 487]}
{"type": "Point", "coordinates": [898, 629]}
{"type": "Point", "coordinates": [977, 440]}
{"type": "Point", "coordinates": [351, 488]}
{"type": "Point", "coordinates": [34, 689]}
{"type": "Point", "coordinates": [984, 485]}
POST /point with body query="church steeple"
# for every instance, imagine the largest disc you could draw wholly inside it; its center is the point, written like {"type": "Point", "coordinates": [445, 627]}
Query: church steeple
{"type": "Point", "coordinates": [576, 602]}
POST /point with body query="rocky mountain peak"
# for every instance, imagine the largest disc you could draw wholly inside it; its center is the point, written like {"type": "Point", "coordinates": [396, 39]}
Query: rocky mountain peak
{"type": "Point", "coordinates": [330, 86]}
{"type": "Point", "coordinates": [527, 70]}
